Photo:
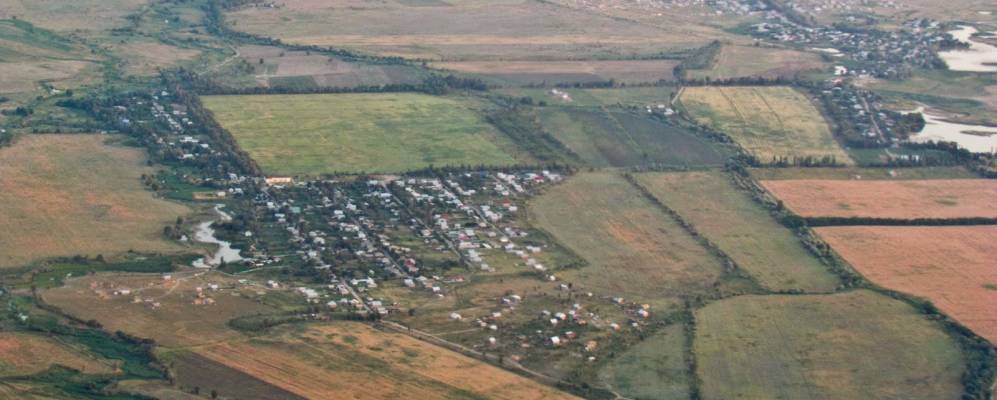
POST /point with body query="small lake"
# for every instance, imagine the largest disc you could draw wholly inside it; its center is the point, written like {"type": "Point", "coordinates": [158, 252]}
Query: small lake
{"type": "Point", "coordinates": [975, 138]}
{"type": "Point", "coordinates": [205, 234]}
{"type": "Point", "coordinates": [980, 57]}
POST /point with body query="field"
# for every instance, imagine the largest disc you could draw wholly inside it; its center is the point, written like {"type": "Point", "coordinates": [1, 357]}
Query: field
{"type": "Point", "coordinates": [655, 368]}
{"type": "Point", "coordinates": [68, 16]}
{"type": "Point", "coordinates": [744, 230]}
{"type": "Point", "coordinates": [24, 354]}
{"type": "Point", "coordinates": [855, 345]}
{"type": "Point", "coordinates": [193, 370]}
{"type": "Point", "coordinates": [953, 267]}
{"type": "Point", "coordinates": [628, 97]}
{"type": "Point", "coordinates": [554, 72]}
{"type": "Point", "coordinates": [767, 121]}
{"type": "Point", "coordinates": [65, 195]}
{"type": "Point", "coordinates": [908, 199]}
{"type": "Point", "coordinates": [466, 30]}
{"type": "Point", "coordinates": [771, 174]}
{"type": "Point", "coordinates": [353, 360]}
{"type": "Point", "coordinates": [614, 138]}
{"type": "Point", "coordinates": [298, 135]}
{"type": "Point", "coordinates": [30, 56]}
{"type": "Point", "coordinates": [765, 62]}
{"type": "Point", "coordinates": [633, 249]}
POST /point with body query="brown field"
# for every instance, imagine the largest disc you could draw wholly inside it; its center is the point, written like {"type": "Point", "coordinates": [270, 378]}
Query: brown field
{"type": "Point", "coordinates": [354, 360]}
{"type": "Point", "coordinates": [554, 71]}
{"type": "Point", "coordinates": [176, 321]}
{"type": "Point", "coordinates": [65, 195]}
{"type": "Point", "coordinates": [766, 62]}
{"type": "Point", "coordinates": [954, 267]}
{"type": "Point", "coordinates": [910, 199]}
{"type": "Point", "coordinates": [193, 370]}
{"type": "Point", "coordinates": [632, 248]}
{"type": "Point", "coordinates": [466, 30]}
{"type": "Point", "coordinates": [23, 354]}
{"type": "Point", "coordinates": [27, 76]}
{"type": "Point", "coordinates": [64, 16]}
{"type": "Point", "coordinates": [145, 57]}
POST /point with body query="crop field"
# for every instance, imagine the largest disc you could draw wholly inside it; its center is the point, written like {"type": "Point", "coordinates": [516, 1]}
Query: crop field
{"type": "Point", "coordinates": [354, 360]}
{"type": "Point", "coordinates": [767, 121]}
{"type": "Point", "coordinates": [168, 311]}
{"type": "Point", "coordinates": [655, 368]}
{"type": "Point", "coordinates": [25, 354]}
{"type": "Point", "coordinates": [466, 30]}
{"type": "Point", "coordinates": [744, 230]}
{"type": "Point", "coordinates": [765, 62]}
{"type": "Point", "coordinates": [68, 16]}
{"type": "Point", "coordinates": [772, 174]}
{"type": "Point", "coordinates": [633, 249]}
{"type": "Point", "coordinates": [193, 370]}
{"type": "Point", "coordinates": [908, 199]}
{"type": "Point", "coordinates": [65, 195]}
{"type": "Point", "coordinates": [354, 133]}
{"type": "Point", "coordinates": [554, 72]}
{"type": "Point", "coordinates": [626, 97]}
{"type": "Point", "coordinates": [952, 266]}
{"type": "Point", "coordinates": [855, 345]}
{"type": "Point", "coordinates": [613, 138]}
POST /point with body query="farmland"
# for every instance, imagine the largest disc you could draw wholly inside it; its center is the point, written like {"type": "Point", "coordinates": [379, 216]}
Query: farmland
{"type": "Point", "coordinates": [354, 360]}
{"type": "Point", "coordinates": [765, 62]}
{"type": "Point", "coordinates": [297, 135]}
{"type": "Point", "coordinates": [654, 368]}
{"type": "Point", "coordinates": [467, 30]}
{"type": "Point", "coordinates": [633, 250]}
{"type": "Point", "coordinates": [853, 345]}
{"type": "Point", "coordinates": [553, 72]}
{"type": "Point", "coordinates": [85, 15]}
{"type": "Point", "coordinates": [24, 354]}
{"type": "Point", "coordinates": [74, 194]}
{"type": "Point", "coordinates": [769, 122]}
{"type": "Point", "coordinates": [843, 173]}
{"type": "Point", "coordinates": [742, 229]}
{"type": "Point", "coordinates": [611, 138]}
{"type": "Point", "coordinates": [626, 97]}
{"type": "Point", "coordinates": [908, 199]}
{"type": "Point", "coordinates": [30, 56]}
{"type": "Point", "coordinates": [953, 267]}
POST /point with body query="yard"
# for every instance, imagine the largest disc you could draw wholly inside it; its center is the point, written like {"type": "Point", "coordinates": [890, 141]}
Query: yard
{"type": "Point", "coordinates": [356, 133]}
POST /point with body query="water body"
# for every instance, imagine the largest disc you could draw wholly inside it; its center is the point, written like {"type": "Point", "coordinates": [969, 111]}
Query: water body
{"type": "Point", "coordinates": [975, 138]}
{"type": "Point", "coordinates": [980, 57]}
{"type": "Point", "coordinates": [205, 234]}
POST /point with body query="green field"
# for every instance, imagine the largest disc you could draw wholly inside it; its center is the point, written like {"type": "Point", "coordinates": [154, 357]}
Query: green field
{"type": "Point", "coordinates": [627, 97]}
{"type": "Point", "coordinates": [742, 229]}
{"type": "Point", "coordinates": [617, 139]}
{"type": "Point", "coordinates": [652, 369]}
{"type": "Point", "coordinates": [355, 133]}
{"type": "Point", "coordinates": [766, 62]}
{"type": "Point", "coordinates": [770, 174]}
{"type": "Point", "coordinates": [855, 345]}
{"type": "Point", "coordinates": [769, 121]}
{"type": "Point", "coordinates": [632, 248]}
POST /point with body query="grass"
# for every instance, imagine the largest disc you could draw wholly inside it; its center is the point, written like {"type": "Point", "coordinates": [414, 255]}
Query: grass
{"type": "Point", "coordinates": [741, 228]}
{"type": "Point", "coordinates": [516, 73]}
{"type": "Point", "coordinates": [769, 174]}
{"type": "Point", "coordinates": [54, 274]}
{"type": "Point", "coordinates": [855, 345]}
{"type": "Point", "coordinates": [769, 122]}
{"type": "Point", "coordinates": [626, 97]}
{"type": "Point", "coordinates": [87, 15]}
{"type": "Point", "coordinates": [25, 354]}
{"type": "Point", "coordinates": [30, 56]}
{"type": "Point", "coordinates": [604, 138]}
{"type": "Point", "coordinates": [75, 195]}
{"type": "Point", "coordinates": [748, 61]}
{"type": "Point", "coordinates": [302, 135]}
{"type": "Point", "coordinates": [654, 368]}
{"type": "Point", "coordinates": [633, 250]}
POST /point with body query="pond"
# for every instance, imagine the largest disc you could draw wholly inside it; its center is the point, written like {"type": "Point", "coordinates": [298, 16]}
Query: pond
{"type": "Point", "coordinates": [975, 138]}
{"type": "Point", "coordinates": [205, 234]}
{"type": "Point", "coordinates": [980, 57]}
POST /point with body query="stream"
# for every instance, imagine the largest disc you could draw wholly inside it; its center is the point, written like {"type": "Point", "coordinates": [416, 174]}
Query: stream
{"type": "Point", "coordinates": [205, 234]}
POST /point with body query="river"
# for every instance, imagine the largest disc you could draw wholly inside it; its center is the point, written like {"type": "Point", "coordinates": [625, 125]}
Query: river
{"type": "Point", "coordinates": [205, 234]}
{"type": "Point", "coordinates": [975, 138]}
{"type": "Point", "coordinates": [980, 57]}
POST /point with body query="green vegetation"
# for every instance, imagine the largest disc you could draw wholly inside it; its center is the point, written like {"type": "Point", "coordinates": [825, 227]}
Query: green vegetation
{"type": "Point", "coordinates": [355, 133]}
{"type": "Point", "coordinates": [54, 273]}
{"type": "Point", "coordinates": [655, 368]}
{"type": "Point", "coordinates": [626, 97]}
{"type": "Point", "coordinates": [763, 174]}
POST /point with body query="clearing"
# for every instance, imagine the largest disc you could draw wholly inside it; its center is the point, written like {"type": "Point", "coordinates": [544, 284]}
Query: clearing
{"type": "Point", "coordinates": [908, 199]}
{"type": "Point", "coordinates": [769, 122]}
{"type": "Point", "coordinates": [355, 133]}
{"type": "Point", "coordinates": [952, 266]}
{"type": "Point", "coordinates": [855, 345]}
{"type": "Point", "coordinates": [73, 194]}
{"type": "Point", "coordinates": [741, 228]}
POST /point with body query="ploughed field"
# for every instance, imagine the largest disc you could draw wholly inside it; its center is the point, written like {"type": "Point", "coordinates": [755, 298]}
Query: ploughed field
{"type": "Point", "coordinates": [354, 133]}
{"type": "Point", "coordinates": [767, 121]}
{"type": "Point", "coordinates": [952, 266]}
{"type": "Point", "coordinates": [907, 199]}
{"type": "Point", "coordinates": [67, 195]}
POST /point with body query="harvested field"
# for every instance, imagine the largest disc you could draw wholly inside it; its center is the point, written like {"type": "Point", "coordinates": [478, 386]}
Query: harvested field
{"type": "Point", "coordinates": [620, 139]}
{"type": "Point", "coordinates": [741, 228]}
{"type": "Point", "coordinates": [353, 360]}
{"type": "Point", "coordinates": [910, 199]}
{"type": "Point", "coordinates": [765, 62]}
{"type": "Point", "coordinates": [24, 354]}
{"type": "Point", "coordinates": [466, 30]}
{"type": "Point", "coordinates": [633, 249]}
{"type": "Point", "coordinates": [554, 72]}
{"type": "Point", "coordinates": [952, 266]}
{"type": "Point", "coordinates": [769, 122]}
{"type": "Point", "coordinates": [854, 345]}
{"type": "Point", "coordinates": [73, 194]}
{"type": "Point", "coordinates": [299, 135]}
{"type": "Point", "coordinates": [168, 311]}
